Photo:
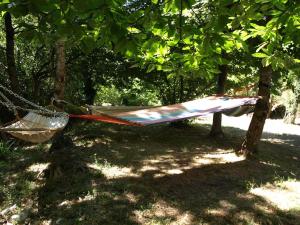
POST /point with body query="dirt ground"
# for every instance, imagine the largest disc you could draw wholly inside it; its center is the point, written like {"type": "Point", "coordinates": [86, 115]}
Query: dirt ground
{"type": "Point", "coordinates": [156, 175]}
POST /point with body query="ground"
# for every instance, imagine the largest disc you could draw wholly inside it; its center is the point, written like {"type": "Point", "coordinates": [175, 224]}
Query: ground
{"type": "Point", "coordinates": [156, 175]}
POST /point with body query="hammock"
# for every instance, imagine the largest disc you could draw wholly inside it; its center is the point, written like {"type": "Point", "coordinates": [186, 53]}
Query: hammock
{"type": "Point", "coordinates": [164, 114]}
{"type": "Point", "coordinates": [41, 124]}
{"type": "Point", "coordinates": [36, 128]}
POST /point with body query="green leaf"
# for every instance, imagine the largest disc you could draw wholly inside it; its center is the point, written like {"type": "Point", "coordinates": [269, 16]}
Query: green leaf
{"type": "Point", "coordinates": [259, 55]}
{"type": "Point", "coordinates": [151, 67]}
{"type": "Point", "coordinates": [266, 61]}
{"type": "Point", "coordinates": [88, 43]}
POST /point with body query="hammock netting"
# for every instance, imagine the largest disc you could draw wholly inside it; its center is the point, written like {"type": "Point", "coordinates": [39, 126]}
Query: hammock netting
{"type": "Point", "coordinates": [36, 128]}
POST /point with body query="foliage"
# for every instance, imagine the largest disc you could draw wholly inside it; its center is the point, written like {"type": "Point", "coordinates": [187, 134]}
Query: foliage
{"type": "Point", "coordinates": [290, 95]}
{"type": "Point", "coordinates": [137, 93]}
{"type": "Point", "coordinates": [180, 44]}
{"type": "Point", "coordinates": [108, 95]}
{"type": "Point", "coordinates": [6, 150]}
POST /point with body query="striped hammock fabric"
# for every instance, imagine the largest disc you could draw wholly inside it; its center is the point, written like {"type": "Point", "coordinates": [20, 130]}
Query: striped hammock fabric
{"type": "Point", "coordinates": [164, 114]}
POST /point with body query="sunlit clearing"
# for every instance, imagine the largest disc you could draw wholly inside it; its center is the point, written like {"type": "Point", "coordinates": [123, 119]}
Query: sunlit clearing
{"type": "Point", "coordinates": [242, 122]}
{"type": "Point", "coordinates": [284, 195]}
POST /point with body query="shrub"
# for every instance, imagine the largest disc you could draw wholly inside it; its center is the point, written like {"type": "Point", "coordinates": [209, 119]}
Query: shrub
{"type": "Point", "coordinates": [5, 150]}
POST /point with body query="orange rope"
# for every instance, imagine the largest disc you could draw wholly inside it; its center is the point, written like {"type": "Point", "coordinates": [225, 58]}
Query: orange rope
{"type": "Point", "coordinates": [105, 118]}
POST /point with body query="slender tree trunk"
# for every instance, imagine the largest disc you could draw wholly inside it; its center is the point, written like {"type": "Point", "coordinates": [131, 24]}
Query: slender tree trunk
{"type": "Point", "coordinates": [250, 144]}
{"type": "Point", "coordinates": [181, 98]}
{"type": "Point", "coordinates": [89, 89]}
{"type": "Point", "coordinates": [10, 53]}
{"type": "Point", "coordinates": [216, 129]}
{"type": "Point", "coordinates": [60, 78]}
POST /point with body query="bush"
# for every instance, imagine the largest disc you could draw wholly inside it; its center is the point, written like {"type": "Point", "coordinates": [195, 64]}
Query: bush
{"type": "Point", "coordinates": [109, 95]}
{"type": "Point", "coordinates": [138, 93]}
{"type": "Point", "coordinates": [6, 151]}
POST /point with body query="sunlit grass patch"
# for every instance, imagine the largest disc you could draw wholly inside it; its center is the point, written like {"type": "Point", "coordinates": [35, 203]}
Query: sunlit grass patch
{"type": "Point", "coordinates": [285, 195]}
{"type": "Point", "coordinates": [109, 170]}
{"type": "Point", "coordinates": [37, 167]}
{"type": "Point", "coordinates": [162, 212]}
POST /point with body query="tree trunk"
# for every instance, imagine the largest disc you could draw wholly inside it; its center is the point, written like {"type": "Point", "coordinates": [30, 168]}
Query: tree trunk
{"type": "Point", "coordinates": [10, 53]}
{"type": "Point", "coordinates": [250, 144]}
{"type": "Point", "coordinates": [60, 78]}
{"type": "Point", "coordinates": [181, 96]}
{"type": "Point", "coordinates": [216, 129]}
{"type": "Point", "coordinates": [55, 167]}
{"type": "Point", "coordinates": [89, 90]}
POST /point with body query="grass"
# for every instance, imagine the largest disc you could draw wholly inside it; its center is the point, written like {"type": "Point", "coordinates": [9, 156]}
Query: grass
{"type": "Point", "coordinates": [155, 175]}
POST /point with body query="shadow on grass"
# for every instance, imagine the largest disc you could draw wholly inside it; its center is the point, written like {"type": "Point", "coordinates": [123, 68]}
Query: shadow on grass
{"type": "Point", "coordinates": [210, 192]}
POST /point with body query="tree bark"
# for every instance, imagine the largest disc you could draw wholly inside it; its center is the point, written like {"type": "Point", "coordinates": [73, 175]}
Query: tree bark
{"type": "Point", "coordinates": [10, 53]}
{"type": "Point", "coordinates": [55, 168]}
{"type": "Point", "coordinates": [60, 78]}
{"type": "Point", "coordinates": [254, 133]}
{"type": "Point", "coordinates": [216, 129]}
{"type": "Point", "coordinates": [89, 89]}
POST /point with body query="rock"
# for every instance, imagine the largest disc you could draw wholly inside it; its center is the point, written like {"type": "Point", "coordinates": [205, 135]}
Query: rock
{"type": "Point", "coordinates": [3, 212]}
{"type": "Point", "coordinates": [22, 216]}
{"type": "Point", "coordinates": [278, 112]}
{"type": "Point", "coordinates": [15, 218]}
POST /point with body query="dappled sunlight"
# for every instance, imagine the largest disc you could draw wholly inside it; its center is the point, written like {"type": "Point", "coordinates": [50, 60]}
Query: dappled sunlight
{"type": "Point", "coordinates": [162, 210]}
{"type": "Point", "coordinates": [69, 203]}
{"type": "Point", "coordinates": [37, 167]}
{"type": "Point", "coordinates": [269, 163]}
{"type": "Point", "coordinates": [131, 197]}
{"type": "Point", "coordinates": [247, 217]}
{"type": "Point", "coordinates": [112, 172]}
{"type": "Point", "coordinates": [227, 157]}
{"type": "Point", "coordinates": [90, 143]}
{"type": "Point", "coordinates": [223, 210]}
{"type": "Point", "coordinates": [164, 175]}
{"type": "Point", "coordinates": [284, 195]}
{"type": "Point", "coordinates": [178, 163]}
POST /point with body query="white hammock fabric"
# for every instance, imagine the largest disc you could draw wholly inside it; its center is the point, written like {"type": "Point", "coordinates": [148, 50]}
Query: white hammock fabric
{"type": "Point", "coordinates": [36, 128]}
